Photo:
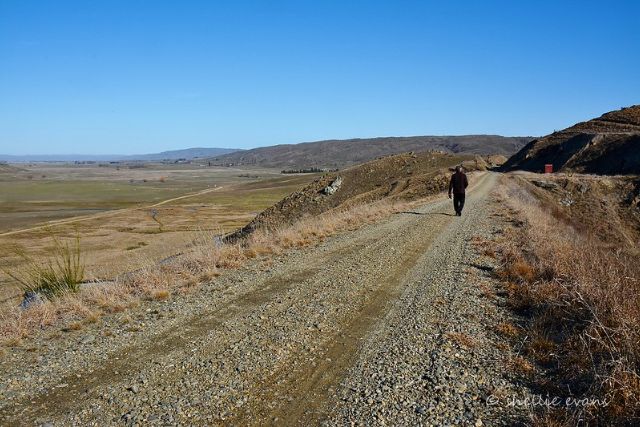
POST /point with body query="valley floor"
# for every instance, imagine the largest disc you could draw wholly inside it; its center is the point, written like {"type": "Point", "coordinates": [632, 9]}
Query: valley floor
{"type": "Point", "coordinates": [384, 325]}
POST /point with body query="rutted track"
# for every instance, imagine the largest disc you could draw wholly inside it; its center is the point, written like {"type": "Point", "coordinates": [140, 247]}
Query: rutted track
{"type": "Point", "coordinates": [299, 344]}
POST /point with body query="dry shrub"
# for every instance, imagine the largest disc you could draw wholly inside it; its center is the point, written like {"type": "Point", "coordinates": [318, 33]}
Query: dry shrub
{"type": "Point", "coordinates": [507, 329]}
{"type": "Point", "coordinates": [487, 291]}
{"type": "Point", "coordinates": [520, 296]}
{"type": "Point", "coordinates": [231, 256]}
{"type": "Point", "coordinates": [583, 298]}
{"type": "Point", "coordinates": [541, 348]}
{"type": "Point", "coordinates": [462, 339]}
{"type": "Point", "coordinates": [160, 294]}
{"type": "Point", "coordinates": [73, 326]}
{"type": "Point", "coordinates": [93, 317]}
{"type": "Point", "coordinates": [489, 252]}
{"type": "Point", "coordinates": [145, 282]}
{"type": "Point", "coordinates": [521, 366]}
{"type": "Point", "coordinates": [518, 270]}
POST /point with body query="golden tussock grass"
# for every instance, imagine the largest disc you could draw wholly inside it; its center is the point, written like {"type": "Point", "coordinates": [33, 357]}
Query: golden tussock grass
{"type": "Point", "coordinates": [93, 317]}
{"type": "Point", "coordinates": [582, 298]}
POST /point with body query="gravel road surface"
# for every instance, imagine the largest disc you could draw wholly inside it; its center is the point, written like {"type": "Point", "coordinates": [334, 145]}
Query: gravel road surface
{"type": "Point", "coordinates": [385, 325]}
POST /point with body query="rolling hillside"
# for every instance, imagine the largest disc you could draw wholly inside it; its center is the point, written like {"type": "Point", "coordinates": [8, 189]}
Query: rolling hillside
{"type": "Point", "coordinates": [341, 153]}
{"type": "Point", "coordinates": [406, 176]}
{"type": "Point", "coordinates": [608, 145]}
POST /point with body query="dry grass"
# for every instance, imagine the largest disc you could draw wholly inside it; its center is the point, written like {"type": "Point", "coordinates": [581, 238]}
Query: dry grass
{"type": "Point", "coordinates": [61, 272]}
{"type": "Point", "coordinates": [507, 330]}
{"type": "Point", "coordinates": [202, 262]}
{"type": "Point", "coordinates": [73, 326]}
{"type": "Point", "coordinates": [521, 366]}
{"type": "Point", "coordinates": [582, 298]}
{"type": "Point", "coordinates": [161, 294]}
{"type": "Point", "coordinates": [461, 339]}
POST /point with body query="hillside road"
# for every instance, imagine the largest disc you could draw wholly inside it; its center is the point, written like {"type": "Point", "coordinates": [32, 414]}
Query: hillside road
{"type": "Point", "coordinates": [382, 325]}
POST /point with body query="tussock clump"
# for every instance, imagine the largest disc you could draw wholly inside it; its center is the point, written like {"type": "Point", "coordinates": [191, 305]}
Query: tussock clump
{"type": "Point", "coordinates": [62, 272]}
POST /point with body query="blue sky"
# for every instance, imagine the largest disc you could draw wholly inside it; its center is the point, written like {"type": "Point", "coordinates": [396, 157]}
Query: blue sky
{"type": "Point", "coordinates": [145, 76]}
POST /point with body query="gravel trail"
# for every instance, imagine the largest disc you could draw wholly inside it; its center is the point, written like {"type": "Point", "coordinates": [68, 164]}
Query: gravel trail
{"type": "Point", "coordinates": [365, 328]}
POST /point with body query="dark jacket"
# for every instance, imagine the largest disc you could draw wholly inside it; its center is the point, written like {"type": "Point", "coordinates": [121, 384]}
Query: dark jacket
{"type": "Point", "coordinates": [458, 183]}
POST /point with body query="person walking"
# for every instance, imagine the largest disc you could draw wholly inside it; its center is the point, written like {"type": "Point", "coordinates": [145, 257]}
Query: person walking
{"type": "Point", "coordinates": [458, 186]}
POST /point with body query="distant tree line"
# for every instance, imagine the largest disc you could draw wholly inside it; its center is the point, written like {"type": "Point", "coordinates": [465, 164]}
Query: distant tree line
{"type": "Point", "coordinates": [309, 170]}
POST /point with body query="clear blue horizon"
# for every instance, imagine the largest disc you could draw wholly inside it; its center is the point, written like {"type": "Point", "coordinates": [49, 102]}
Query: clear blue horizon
{"type": "Point", "coordinates": [130, 77]}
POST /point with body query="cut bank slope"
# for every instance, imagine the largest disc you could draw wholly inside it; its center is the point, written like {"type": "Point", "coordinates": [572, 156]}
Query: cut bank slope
{"type": "Point", "coordinates": [608, 145]}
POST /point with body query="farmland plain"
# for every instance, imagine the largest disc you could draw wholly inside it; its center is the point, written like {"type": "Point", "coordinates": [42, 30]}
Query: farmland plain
{"type": "Point", "coordinates": [126, 216]}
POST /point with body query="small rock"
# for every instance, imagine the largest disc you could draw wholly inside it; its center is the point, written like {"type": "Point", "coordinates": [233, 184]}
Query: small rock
{"type": "Point", "coordinates": [88, 339]}
{"type": "Point", "coordinates": [333, 187]}
{"type": "Point", "coordinates": [31, 299]}
{"type": "Point", "coordinates": [548, 185]}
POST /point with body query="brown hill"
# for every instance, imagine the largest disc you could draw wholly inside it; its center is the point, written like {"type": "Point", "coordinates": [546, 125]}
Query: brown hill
{"type": "Point", "coordinates": [340, 153]}
{"type": "Point", "coordinates": [406, 176]}
{"type": "Point", "coordinates": [608, 145]}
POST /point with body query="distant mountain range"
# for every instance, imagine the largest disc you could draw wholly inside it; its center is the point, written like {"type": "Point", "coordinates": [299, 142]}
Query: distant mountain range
{"type": "Point", "coordinates": [341, 153]}
{"type": "Point", "coordinates": [188, 153]}
{"type": "Point", "coordinates": [319, 154]}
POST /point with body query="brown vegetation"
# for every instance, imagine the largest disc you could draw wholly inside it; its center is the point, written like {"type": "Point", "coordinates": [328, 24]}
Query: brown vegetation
{"type": "Point", "coordinates": [579, 295]}
{"type": "Point", "coordinates": [461, 339]}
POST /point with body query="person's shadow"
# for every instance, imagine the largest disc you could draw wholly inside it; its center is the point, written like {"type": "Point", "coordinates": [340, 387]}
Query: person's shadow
{"type": "Point", "coordinates": [426, 213]}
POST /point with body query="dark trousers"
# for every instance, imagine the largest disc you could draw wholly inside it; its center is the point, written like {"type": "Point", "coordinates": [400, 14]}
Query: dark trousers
{"type": "Point", "coordinates": [458, 202]}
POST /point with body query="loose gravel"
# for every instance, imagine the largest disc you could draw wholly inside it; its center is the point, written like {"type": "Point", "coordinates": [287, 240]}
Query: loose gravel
{"type": "Point", "coordinates": [383, 325]}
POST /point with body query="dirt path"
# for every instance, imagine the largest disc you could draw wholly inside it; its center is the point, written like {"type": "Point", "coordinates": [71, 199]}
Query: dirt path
{"type": "Point", "coordinates": [105, 214]}
{"type": "Point", "coordinates": [353, 330]}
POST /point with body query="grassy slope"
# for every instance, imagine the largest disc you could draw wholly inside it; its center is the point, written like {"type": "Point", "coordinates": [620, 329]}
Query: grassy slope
{"type": "Point", "coordinates": [574, 282]}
